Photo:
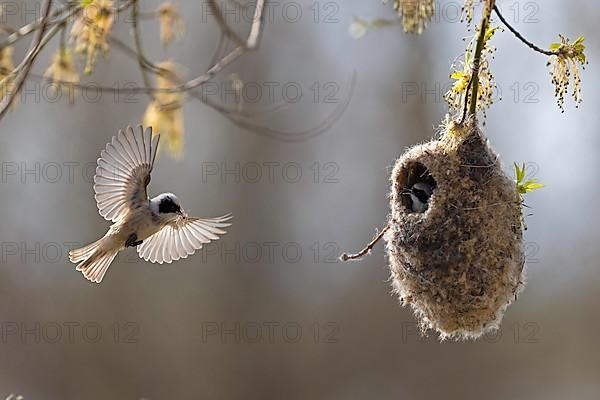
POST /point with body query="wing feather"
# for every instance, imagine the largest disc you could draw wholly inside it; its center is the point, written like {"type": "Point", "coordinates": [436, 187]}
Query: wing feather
{"type": "Point", "coordinates": [123, 172]}
{"type": "Point", "coordinates": [182, 238]}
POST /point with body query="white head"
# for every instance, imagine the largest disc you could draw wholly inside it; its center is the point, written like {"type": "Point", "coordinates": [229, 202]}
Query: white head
{"type": "Point", "coordinates": [167, 205]}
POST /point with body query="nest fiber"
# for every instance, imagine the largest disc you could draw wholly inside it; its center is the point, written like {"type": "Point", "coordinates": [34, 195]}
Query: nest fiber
{"type": "Point", "coordinates": [455, 250]}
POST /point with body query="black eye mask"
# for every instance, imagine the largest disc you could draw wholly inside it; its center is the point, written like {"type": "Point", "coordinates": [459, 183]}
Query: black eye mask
{"type": "Point", "coordinates": [168, 206]}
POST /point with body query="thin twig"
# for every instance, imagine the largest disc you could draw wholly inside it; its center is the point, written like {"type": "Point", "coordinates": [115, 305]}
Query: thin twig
{"type": "Point", "coordinates": [521, 37]}
{"type": "Point", "coordinates": [25, 66]}
{"type": "Point", "coordinates": [219, 49]}
{"type": "Point", "coordinates": [238, 117]}
{"type": "Point", "coordinates": [51, 21]}
{"type": "Point", "coordinates": [142, 60]}
{"type": "Point", "coordinates": [285, 136]}
{"type": "Point", "coordinates": [25, 30]}
{"type": "Point", "coordinates": [215, 9]}
{"type": "Point", "coordinates": [366, 250]}
{"type": "Point", "coordinates": [251, 44]}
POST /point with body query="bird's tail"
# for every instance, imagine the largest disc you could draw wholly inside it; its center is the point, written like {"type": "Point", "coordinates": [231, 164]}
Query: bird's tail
{"type": "Point", "coordinates": [93, 260]}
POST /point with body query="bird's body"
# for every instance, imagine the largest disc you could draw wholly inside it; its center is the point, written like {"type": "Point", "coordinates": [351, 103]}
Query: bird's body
{"type": "Point", "coordinates": [159, 228]}
{"type": "Point", "coordinates": [141, 222]}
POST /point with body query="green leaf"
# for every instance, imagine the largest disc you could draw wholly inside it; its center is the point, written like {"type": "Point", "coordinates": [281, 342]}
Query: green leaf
{"type": "Point", "coordinates": [489, 33]}
{"type": "Point", "coordinates": [534, 186]}
{"type": "Point", "coordinates": [519, 173]}
{"type": "Point", "coordinates": [523, 186]}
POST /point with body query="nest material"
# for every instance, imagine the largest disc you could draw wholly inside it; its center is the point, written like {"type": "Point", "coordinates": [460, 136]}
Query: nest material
{"type": "Point", "coordinates": [459, 263]}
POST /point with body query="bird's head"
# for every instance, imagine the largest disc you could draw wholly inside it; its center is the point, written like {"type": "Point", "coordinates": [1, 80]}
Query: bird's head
{"type": "Point", "coordinates": [167, 205]}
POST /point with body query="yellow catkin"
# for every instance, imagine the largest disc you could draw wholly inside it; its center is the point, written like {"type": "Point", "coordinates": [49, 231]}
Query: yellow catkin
{"type": "Point", "coordinates": [91, 29]}
{"type": "Point", "coordinates": [165, 113]}
{"type": "Point", "coordinates": [415, 14]}
{"type": "Point", "coordinates": [63, 72]}
{"type": "Point", "coordinates": [171, 24]}
{"type": "Point", "coordinates": [7, 82]}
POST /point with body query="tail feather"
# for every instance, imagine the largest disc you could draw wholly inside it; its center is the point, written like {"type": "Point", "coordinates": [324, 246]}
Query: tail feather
{"type": "Point", "coordinates": [95, 267]}
{"type": "Point", "coordinates": [93, 261]}
{"type": "Point", "coordinates": [83, 253]}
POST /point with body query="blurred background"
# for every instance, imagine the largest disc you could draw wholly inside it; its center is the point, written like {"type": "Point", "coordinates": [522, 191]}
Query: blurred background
{"type": "Point", "coordinates": [268, 312]}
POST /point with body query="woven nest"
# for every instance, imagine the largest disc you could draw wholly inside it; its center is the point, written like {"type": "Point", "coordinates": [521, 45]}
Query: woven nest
{"type": "Point", "coordinates": [458, 262]}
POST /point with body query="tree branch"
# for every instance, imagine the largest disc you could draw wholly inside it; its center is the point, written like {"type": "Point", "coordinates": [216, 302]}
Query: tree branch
{"type": "Point", "coordinates": [366, 250]}
{"type": "Point", "coordinates": [485, 22]}
{"type": "Point", "coordinates": [25, 66]}
{"type": "Point", "coordinates": [521, 37]}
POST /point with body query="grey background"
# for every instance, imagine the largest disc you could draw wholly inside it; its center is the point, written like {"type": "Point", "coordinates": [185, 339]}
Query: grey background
{"type": "Point", "coordinates": [547, 348]}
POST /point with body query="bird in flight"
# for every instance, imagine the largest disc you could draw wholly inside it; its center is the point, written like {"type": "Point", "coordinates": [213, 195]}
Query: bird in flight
{"type": "Point", "coordinates": [159, 228]}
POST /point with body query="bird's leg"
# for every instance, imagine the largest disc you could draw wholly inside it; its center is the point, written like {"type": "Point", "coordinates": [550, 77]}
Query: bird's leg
{"type": "Point", "coordinates": [133, 241]}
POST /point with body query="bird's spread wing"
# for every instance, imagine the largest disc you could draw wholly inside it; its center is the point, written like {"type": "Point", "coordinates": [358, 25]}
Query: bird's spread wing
{"type": "Point", "coordinates": [182, 238]}
{"type": "Point", "coordinates": [123, 172]}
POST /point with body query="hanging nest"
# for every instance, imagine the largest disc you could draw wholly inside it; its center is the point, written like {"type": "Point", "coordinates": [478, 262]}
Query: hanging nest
{"type": "Point", "coordinates": [455, 236]}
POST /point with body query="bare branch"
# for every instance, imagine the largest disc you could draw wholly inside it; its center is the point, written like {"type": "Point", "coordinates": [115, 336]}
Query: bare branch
{"type": "Point", "coordinates": [521, 37]}
{"type": "Point", "coordinates": [25, 66]}
{"type": "Point", "coordinates": [367, 249]}
{"type": "Point", "coordinates": [46, 28]}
